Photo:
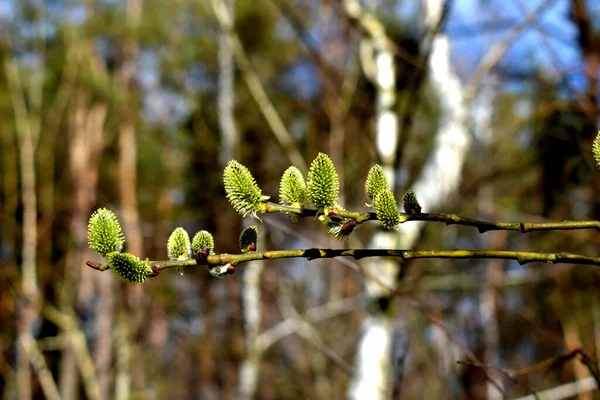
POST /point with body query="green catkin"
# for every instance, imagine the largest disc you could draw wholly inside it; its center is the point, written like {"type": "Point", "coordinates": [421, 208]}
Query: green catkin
{"type": "Point", "coordinates": [179, 246]}
{"type": "Point", "coordinates": [104, 232]}
{"type": "Point", "coordinates": [203, 239]}
{"type": "Point", "coordinates": [376, 182]}
{"type": "Point", "coordinates": [323, 183]}
{"type": "Point", "coordinates": [292, 188]}
{"type": "Point", "coordinates": [128, 267]}
{"type": "Point", "coordinates": [387, 209]}
{"type": "Point", "coordinates": [596, 149]}
{"type": "Point", "coordinates": [242, 191]}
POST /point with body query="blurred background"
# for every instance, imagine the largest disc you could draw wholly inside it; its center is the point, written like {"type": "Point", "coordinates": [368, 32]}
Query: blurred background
{"type": "Point", "coordinates": [484, 108]}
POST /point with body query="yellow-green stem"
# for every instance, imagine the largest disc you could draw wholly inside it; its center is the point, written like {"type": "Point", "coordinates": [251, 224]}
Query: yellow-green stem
{"type": "Point", "coordinates": [405, 255]}
{"type": "Point", "coordinates": [449, 219]}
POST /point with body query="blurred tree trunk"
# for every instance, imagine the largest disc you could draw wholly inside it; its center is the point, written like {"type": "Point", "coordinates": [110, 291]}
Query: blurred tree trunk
{"type": "Point", "coordinates": [129, 370]}
{"type": "Point", "coordinates": [249, 368]}
{"type": "Point", "coordinates": [10, 194]}
{"type": "Point", "coordinates": [27, 113]}
{"type": "Point", "coordinates": [86, 135]}
{"type": "Point", "coordinates": [127, 132]}
{"type": "Point", "coordinates": [489, 302]}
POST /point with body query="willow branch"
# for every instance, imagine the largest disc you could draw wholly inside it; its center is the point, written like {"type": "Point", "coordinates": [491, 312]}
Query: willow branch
{"type": "Point", "coordinates": [406, 255]}
{"type": "Point", "coordinates": [449, 219]}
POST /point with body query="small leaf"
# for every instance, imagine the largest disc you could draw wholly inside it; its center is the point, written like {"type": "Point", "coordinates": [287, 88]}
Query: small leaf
{"type": "Point", "coordinates": [411, 204]}
{"type": "Point", "coordinates": [292, 188]}
{"type": "Point", "coordinates": [129, 267]}
{"type": "Point", "coordinates": [241, 188]}
{"type": "Point", "coordinates": [104, 232]}
{"type": "Point", "coordinates": [202, 240]}
{"type": "Point", "coordinates": [596, 149]}
{"type": "Point", "coordinates": [248, 239]}
{"type": "Point", "coordinates": [376, 182]}
{"type": "Point", "coordinates": [323, 183]}
{"type": "Point", "coordinates": [387, 209]}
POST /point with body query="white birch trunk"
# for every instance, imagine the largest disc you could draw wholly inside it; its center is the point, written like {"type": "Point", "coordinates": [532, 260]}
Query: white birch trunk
{"type": "Point", "coordinates": [439, 179]}
{"type": "Point", "coordinates": [372, 371]}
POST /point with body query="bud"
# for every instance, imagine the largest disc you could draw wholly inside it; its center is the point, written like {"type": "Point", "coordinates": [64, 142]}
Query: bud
{"type": "Point", "coordinates": [387, 209]}
{"type": "Point", "coordinates": [241, 188]}
{"type": "Point", "coordinates": [323, 184]}
{"type": "Point", "coordinates": [129, 267]}
{"type": "Point", "coordinates": [248, 239]}
{"type": "Point", "coordinates": [411, 204]}
{"type": "Point", "coordinates": [104, 232]}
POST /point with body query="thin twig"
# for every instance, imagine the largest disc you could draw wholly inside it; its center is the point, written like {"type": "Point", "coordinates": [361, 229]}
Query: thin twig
{"type": "Point", "coordinates": [522, 257]}
{"type": "Point", "coordinates": [319, 313]}
{"type": "Point", "coordinates": [544, 365]}
{"type": "Point", "coordinates": [568, 390]}
{"type": "Point", "coordinates": [449, 219]}
{"type": "Point", "coordinates": [495, 54]}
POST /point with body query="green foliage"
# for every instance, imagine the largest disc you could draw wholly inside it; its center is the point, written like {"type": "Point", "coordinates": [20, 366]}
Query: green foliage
{"type": "Point", "coordinates": [202, 240]}
{"type": "Point", "coordinates": [241, 188]}
{"type": "Point", "coordinates": [323, 183]}
{"type": "Point", "coordinates": [129, 267]}
{"type": "Point", "coordinates": [411, 204]}
{"type": "Point", "coordinates": [387, 209]}
{"type": "Point", "coordinates": [104, 232]}
{"type": "Point", "coordinates": [178, 245]}
{"type": "Point", "coordinates": [292, 188]}
{"type": "Point", "coordinates": [376, 182]}
{"type": "Point", "coordinates": [248, 239]}
{"type": "Point", "coordinates": [596, 149]}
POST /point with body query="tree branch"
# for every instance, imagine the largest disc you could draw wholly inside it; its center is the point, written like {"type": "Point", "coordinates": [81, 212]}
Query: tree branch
{"type": "Point", "coordinates": [522, 257]}
{"type": "Point", "coordinates": [449, 219]}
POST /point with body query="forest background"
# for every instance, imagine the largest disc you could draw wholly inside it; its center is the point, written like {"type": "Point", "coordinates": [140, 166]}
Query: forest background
{"type": "Point", "coordinates": [484, 108]}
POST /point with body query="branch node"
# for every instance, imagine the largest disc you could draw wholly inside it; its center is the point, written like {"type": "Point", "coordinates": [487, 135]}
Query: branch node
{"type": "Point", "coordinates": [522, 227]}
{"type": "Point", "coordinates": [312, 254]}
